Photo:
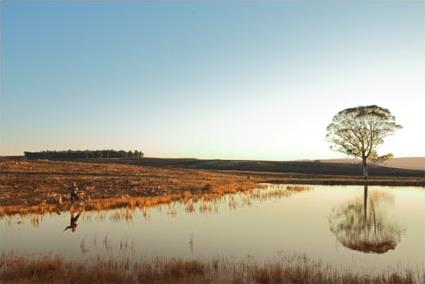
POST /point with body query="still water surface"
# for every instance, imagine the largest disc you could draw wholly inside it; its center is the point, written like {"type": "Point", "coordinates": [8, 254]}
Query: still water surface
{"type": "Point", "coordinates": [339, 225]}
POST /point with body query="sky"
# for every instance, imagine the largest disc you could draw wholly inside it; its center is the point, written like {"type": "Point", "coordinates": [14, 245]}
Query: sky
{"type": "Point", "coordinates": [207, 79]}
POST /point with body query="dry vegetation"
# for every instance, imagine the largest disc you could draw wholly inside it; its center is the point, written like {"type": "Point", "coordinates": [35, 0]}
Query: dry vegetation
{"type": "Point", "coordinates": [287, 269]}
{"type": "Point", "coordinates": [315, 179]}
{"type": "Point", "coordinates": [39, 186]}
{"type": "Point", "coordinates": [32, 187]}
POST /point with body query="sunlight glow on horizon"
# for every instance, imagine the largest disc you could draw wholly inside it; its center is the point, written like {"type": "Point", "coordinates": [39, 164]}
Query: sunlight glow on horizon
{"type": "Point", "coordinates": [238, 81]}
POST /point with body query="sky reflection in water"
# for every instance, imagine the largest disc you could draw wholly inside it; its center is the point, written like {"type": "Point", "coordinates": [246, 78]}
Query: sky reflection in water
{"type": "Point", "coordinates": [340, 225]}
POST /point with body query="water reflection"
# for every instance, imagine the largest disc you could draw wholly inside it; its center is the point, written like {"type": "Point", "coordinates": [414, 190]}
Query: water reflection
{"type": "Point", "coordinates": [363, 224]}
{"type": "Point", "coordinates": [204, 205]}
{"type": "Point", "coordinates": [191, 244]}
{"type": "Point", "coordinates": [260, 223]}
{"type": "Point", "coordinates": [73, 221]}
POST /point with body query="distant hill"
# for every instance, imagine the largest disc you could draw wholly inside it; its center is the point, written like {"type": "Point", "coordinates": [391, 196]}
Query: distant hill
{"type": "Point", "coordinates": [347, 167]}
{"type": "Point", "coordinates": [290, 167]}
{"type": "Point", "coordinates": [409, 163]}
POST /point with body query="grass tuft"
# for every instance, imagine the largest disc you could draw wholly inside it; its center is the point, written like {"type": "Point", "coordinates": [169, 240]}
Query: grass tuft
{"type": "Point", "coordinates": [289, 269]}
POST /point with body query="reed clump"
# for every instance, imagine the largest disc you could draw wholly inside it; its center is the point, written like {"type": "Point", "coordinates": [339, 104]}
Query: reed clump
{"type": "Point", "coordinates": [288, 269]}
{"type": "Point", "coordinates": [297, 187]}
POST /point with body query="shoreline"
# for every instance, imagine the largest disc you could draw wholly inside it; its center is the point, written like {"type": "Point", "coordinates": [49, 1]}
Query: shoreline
{"type": "Point", "coordinates": [38, 186]}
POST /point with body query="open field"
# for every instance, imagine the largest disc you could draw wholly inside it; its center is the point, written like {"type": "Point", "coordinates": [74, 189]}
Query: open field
{"type": "Point", "coordinates": [286, 269]}
{"type": "Point", "coordinates": [409, 163]}
{"type": "Point", "coordinates": [317, 167]}
{"type": "Point", "coordinates": [396, 167]}
{"type": "Point", "coordinates": [39, 186]}
{"type": "Point", "coordinates": [31, 186]}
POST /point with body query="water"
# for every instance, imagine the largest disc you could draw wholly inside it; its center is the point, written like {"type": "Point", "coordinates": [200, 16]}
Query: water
{"type": "Point", "coordinates": [328, 223]}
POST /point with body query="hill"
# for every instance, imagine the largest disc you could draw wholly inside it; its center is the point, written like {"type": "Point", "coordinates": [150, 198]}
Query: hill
{"type": "Point", "coordinates": [339, 167]}
{"type": "Point", "coordinates": [409, 163]}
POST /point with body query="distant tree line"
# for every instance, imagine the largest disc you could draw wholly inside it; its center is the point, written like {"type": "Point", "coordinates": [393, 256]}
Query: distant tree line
{"type": "Point", "coordinates": [87, 154]}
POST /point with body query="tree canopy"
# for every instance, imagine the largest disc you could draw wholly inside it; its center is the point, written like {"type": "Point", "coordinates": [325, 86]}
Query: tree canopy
{"type": "Point", "coordinates": [359, 131]}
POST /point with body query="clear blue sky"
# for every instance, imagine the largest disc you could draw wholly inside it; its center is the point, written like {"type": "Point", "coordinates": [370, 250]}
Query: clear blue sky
{"type": "Point", "coordinates": [207, 79]}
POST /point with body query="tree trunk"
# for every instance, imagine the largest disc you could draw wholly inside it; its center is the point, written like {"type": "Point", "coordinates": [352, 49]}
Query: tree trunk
{"type": "Point", "coordinates": [365, 174]}
{"type": "Point", "coordinates": [365, 204]}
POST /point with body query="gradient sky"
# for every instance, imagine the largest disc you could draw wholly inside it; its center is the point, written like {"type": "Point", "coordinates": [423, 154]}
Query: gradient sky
{"type": "Point", "coordinates": [239, 80]}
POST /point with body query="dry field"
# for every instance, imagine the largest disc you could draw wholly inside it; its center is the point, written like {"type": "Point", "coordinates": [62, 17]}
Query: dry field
{"type": "Point", "coordinates": [40, 186]}
{"type": "Point", "coordinates": [410, 163]}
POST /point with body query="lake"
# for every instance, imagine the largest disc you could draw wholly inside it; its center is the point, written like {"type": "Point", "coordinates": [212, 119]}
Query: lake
{"type": "Point", "coordinates": [339, 225]}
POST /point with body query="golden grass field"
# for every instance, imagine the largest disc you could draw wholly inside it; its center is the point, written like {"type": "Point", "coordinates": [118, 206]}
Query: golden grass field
{"type": "Point", "coordinates": [38, 186]}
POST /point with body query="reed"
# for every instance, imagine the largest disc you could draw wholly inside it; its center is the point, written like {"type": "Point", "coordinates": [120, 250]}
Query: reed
{"type": "Point", "coordinates": [287, 269]}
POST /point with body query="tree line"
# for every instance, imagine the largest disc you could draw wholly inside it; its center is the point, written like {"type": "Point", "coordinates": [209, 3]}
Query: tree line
{"type": "Point", "coordinates": [87, 154]}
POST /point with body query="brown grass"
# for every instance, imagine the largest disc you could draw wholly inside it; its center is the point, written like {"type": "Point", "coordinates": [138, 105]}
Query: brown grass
{"type": "Point", "coordinates": [38, 186]}
{"type": "Point", "coordinates": [28, 187]}
{"type": "Point", "coordinates": [297, 188]}
{"type": "Point", "coordinates": [289, 269]}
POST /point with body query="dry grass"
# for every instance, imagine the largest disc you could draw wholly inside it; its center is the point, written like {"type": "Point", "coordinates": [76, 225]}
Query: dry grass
{"type": "Point", "coordinates": [297, 188]}
{"type": "Point", "coordinates": [289, 269]}
{"type": "Point", "coordinates": [39, 186]}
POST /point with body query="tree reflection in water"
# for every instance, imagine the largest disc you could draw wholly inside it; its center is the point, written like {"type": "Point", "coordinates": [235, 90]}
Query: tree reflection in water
{"type": "Point", "coordinates": [363, 225]}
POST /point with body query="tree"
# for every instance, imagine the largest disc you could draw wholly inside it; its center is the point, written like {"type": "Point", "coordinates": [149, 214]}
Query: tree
{"type": "Point", "coordinates": [359, 131]}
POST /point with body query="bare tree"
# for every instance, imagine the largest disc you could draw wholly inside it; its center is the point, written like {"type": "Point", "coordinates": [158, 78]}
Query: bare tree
{"type": "Point", "coordinates": [359, 131]}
